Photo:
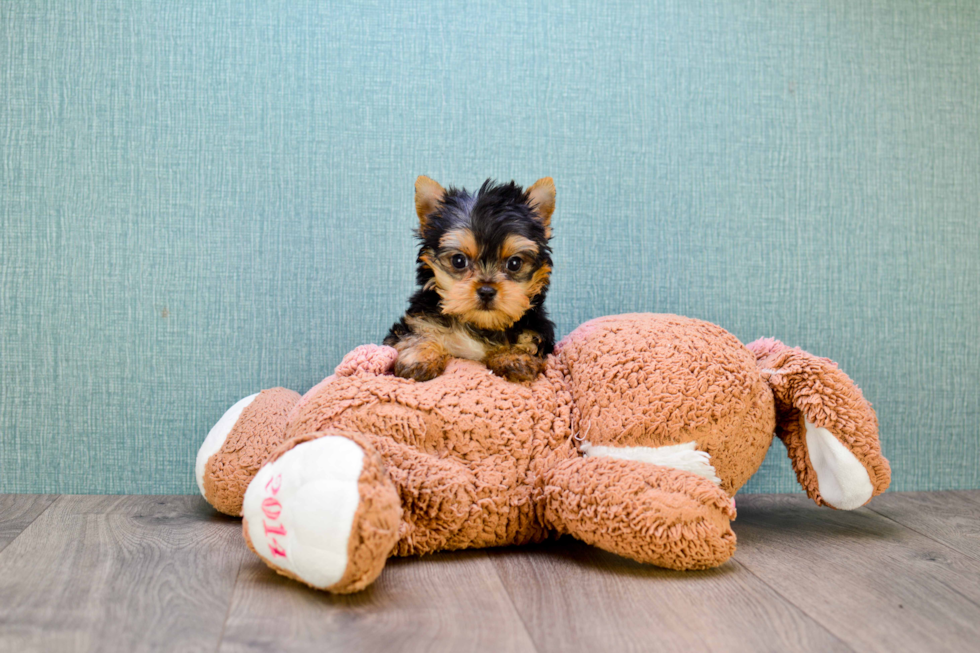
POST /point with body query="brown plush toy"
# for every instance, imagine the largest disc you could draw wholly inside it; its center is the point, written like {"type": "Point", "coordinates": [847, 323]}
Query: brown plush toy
{"type": "Point", "coordinates": [635, 439]}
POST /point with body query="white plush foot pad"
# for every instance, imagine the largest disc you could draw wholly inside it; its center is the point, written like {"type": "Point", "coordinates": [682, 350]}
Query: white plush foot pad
{"type": "Point", "coordinates": [678, 456]}
{"type": "Point", "coordinates": [300, 508]}
{"type": "Point", "coordinates": [217, 436]}
{"type": "Point", "coordinates": [841, 478]}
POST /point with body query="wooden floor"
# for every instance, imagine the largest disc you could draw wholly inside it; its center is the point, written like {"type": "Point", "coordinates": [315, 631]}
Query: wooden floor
{"type": "Point", "coordinates": [138, 573]}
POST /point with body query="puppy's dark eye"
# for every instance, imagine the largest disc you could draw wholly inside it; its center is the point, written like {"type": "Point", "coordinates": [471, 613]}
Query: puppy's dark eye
{"type": "Point", "coordinates": [514, 263]}
{"type": "Point", "coordinates": [459, 261]}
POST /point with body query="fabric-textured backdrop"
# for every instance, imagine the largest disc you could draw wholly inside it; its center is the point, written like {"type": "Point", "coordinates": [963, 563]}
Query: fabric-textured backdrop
{"type": "Point", "coordinates": [199, 199]}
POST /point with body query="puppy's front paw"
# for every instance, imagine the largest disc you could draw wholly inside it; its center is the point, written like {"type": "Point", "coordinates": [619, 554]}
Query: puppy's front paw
{"type": "Point", "coordinates": [514, 365]}
{"type": "Point", "coordinates": [420, 371]}
{"type": "Point", "coordinates": [423, 361]}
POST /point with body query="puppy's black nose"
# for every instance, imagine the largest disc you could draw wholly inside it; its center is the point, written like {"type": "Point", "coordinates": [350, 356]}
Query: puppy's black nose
{"type": "Point", "coordinates": [486, 293]}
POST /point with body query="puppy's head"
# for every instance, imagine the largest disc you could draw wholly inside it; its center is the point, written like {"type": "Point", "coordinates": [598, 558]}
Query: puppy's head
{"type": "Point", "coordinates": [485, 254]}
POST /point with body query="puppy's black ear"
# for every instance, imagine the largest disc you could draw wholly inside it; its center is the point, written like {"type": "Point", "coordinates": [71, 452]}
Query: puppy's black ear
{"type": "Point", "coordinates": [541, 196]}
{"type": "Point", "coordinates": [428, 195]}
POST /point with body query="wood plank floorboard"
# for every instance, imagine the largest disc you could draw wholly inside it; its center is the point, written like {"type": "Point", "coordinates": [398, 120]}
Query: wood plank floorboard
{"type": "Point", "coordinates": [877, 585]}
{"type": "Point", "coordinates": [17, 511]}
{"type": "Point", "coordinates": [444, 602]}
{"type": "Point", "coordinates": [116, 573]}
{"type": "Point", "coordinates": [574, 597]}
{"type": "Point", "coordinates": [168, 573]}
{"type": "Point", "coordinates": [952, 518]}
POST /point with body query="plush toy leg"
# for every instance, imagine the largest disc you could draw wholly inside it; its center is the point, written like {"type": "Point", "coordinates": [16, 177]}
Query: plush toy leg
{"type": "Point", "coordinates": [238, 445]}
{"type": "Point", "coordinates": [438, 496]}
{"type": "Point", "coordinates": [323, 511]}
{"type": "Point", "coordinates": [668, 517]}
{"type": "Point", "coordinates": [828, 427]}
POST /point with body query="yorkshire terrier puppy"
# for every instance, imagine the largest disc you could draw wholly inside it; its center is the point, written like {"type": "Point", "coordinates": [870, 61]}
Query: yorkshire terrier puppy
{"type": "Point", "coordinates": [483, 272]}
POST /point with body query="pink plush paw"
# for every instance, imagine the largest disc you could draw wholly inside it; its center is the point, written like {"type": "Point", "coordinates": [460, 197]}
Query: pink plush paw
{"type": "Point", "coordinates": [368, 359]}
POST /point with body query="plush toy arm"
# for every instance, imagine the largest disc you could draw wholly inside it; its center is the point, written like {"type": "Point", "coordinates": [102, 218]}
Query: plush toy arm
{"type": "Point", "coordinates": [668, 517]}
{"type": "Point", "coordinates": [830, 430]}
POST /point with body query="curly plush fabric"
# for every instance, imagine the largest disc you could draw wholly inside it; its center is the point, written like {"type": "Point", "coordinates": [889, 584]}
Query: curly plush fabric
{"type": "Point", "coordinates": [693, 382]}
{"type": "Point", "coordinates": [635, 439]}
{"type": "Point", "coordinates": [645, 512]}
{"type": "Point", "coordinates": [261, 428]}
{"type": "Point", "coordinates": [375, 522]}
{"type": "Point", "coordinates": [809, 388]}
{"type": "Point", "coordinates": [459, 449]}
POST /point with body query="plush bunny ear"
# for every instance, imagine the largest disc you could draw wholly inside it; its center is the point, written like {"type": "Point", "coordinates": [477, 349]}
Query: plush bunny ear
{"type": "Point", "coordinates": [541, 195]}
{"type": "Point", "coordinates": [428, 196]}
{"type": "Point", "coordinates": [829, 428]}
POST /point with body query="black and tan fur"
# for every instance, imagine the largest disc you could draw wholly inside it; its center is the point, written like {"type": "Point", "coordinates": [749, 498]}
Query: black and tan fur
{"type": "Point", "coordinates": [483, 271]}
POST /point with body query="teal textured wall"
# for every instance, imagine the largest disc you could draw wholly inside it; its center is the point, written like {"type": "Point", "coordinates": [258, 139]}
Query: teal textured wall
{"type": "Point", "coordinates": [199, 199]}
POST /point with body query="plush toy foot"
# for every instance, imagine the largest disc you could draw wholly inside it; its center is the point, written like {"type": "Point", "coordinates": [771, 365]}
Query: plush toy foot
{"type": "Point", "coordinates": [830, 430]}
{"type": "Point", "coordinates": [323, 511]}
{"type": "Point", "coordinates": [668, 517]}
{"type": "Point", "coordinates": [238, 444]}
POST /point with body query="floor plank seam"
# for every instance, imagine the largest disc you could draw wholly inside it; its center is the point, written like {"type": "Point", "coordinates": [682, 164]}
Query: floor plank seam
{"type": "Point", "coordinates": [968, 554]}
{"type": "Point", "coordinates": [231, 602]}
{"type": "Point", "coordinates": [963, 596]}
{"type": "Point", "coordinates": [795, 605]}
{"type": "Point", "coordinates": [973, 496]}
{"type": "Point", "coordinates": [44, 510]}
{"type": "Point", "coordinates": [510, 599]}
